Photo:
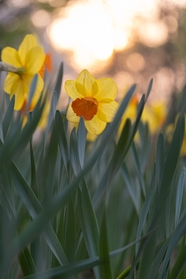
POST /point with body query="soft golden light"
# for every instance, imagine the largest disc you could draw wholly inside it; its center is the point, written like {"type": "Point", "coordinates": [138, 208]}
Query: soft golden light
{"type": "Point", "coordinates": [40, 18]}
{"type": "Point", "coordinates": [92, 30]}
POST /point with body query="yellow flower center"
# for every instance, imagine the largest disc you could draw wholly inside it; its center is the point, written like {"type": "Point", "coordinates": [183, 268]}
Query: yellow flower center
{"type": "Point", "coordinates": [85, 107]}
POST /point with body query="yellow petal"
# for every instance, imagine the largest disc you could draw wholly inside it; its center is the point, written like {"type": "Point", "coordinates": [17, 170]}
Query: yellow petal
{"type": "Point", "coordinates": [108, 110]}
{"type": "Point", "coordinates": [28, 43]}
{"type": "Point", "coordinates": [9, 81]}
{"type": "Point", "coordinates": [70, 87]}
{"type": "Point", "coordinates": [71, 116]}
{"type": "Point", "coordinates": [44, 117]}
{"type": "Point", "coordinates": [101, 115]}
{"type": "Point", "coordinates": [86, 84]}
{"type": "Point", "coordinates": [107, 89]}
{"type": "Point", "coordinates": [27, 84]}
{"type": "Point", "coordinates": [95, 126]}
{"type": "Point", "coordinates": [39, 85]}
{"type": "Point", "coordinates": [10, 55]}
{"type": "Point", "coordinates": [34, 60]}
{"type": "Point", "coordinates": [18, 90]}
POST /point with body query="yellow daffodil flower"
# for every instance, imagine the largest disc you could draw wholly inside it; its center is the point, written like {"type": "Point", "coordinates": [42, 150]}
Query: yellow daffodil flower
{"type": "Point", "coordinates": [28, 60]}
{"type": "Point", "coordinates": [93, 100]}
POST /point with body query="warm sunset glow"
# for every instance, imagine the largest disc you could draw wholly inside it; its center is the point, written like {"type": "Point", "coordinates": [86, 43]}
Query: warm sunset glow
{"type": "Point", "coordinates": [91, 30]}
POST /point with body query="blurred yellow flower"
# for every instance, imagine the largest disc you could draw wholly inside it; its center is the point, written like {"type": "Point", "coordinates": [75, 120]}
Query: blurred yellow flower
{"type": "Point", "coordinates": [93, 100]}
{"type": "Point", "coordinates": [130, 112]}
{"type": "Point", "coordinates": [44, 117]}
{"type": "Point", "coordinates": [28, 60]}
{"type": "Point", "coordinates": [155, 115]}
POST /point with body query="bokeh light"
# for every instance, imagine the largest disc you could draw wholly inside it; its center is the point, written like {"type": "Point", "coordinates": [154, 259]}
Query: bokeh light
{"type": "Point", "coordinates": [92, 30]}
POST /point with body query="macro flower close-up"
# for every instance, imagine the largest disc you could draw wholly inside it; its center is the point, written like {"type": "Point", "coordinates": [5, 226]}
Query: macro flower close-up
{"type": "Point", "coordinates": [92, 99]}
{"type": "Point", "coordinates": [28, 60]}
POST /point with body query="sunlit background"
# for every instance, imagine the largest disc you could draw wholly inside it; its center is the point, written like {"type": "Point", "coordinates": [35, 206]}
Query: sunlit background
{"type": "Point", "coordinates": [130, 41]}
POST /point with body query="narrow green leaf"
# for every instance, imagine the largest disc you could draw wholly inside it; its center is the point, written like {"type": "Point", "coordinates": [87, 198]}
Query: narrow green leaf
{"type": "Point", "coordinates": [62, 140]}
{"type": "Point", "coordinates": [160, 159]}
{"type": "Point", "coordinates": [128, 182]}
{"type": "Point", "coordinates": [138, 168]}
{"type": "Point", "coordinates": [179, 195]}
{"type": "Point", "coordinates": [66, 271]}
{"type": "Point", "coordinates": [146, 207]}
{"type": "Point", "coordinates": [54, 101]}
{"type": "Point", "coordinates": [1, 128]}
{"type": "Point", "coordinates": [175, 237]}
{"type": "Point", "coordinates": [158, 259]}
{"type": "Point", "coordinates": [81, 139]}
{"type": "Point", "coordinates": [172, 158]}
{"type": "Point", "coordinates": [8, 116]}
{"type": "Point", "coordinates": [33, 171]}
{"type": "Point", "coordinates": [27, 264]}
{"type": "Point", "coordinates": [74, 155]}
{"type": "Point", "coordinates": [89, 223]}
{"type": "Point", "coordinates": [105, 267]}
{"type": "Point", "coordinates": [70, 232]}
{"type": "Point", "coordinates": [149, 89]}
{"type": "Point", "coordinates": [179, 264]}
{"type": "Point", "coordinates": [147, 257]}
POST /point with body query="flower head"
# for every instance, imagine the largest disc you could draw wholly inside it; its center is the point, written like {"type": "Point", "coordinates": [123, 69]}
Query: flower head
{"type": "Point", "coordinates": [28, 60]}
{"type": "Point", "coordinates": [93, 100]}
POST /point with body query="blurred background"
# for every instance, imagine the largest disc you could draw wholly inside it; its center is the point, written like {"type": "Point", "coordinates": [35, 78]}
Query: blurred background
{"type": "Point", "coordinates": [130, 41]}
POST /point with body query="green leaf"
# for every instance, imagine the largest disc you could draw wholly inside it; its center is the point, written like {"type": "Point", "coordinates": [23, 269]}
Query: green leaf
{"type": "Point", "coordinates": [172, 158]}
{"type": "Point", "coordinates": [105, 267]}
{"type": "Point", "coordinates": [179, 264]}
{"type": "Point", "coordinates": [88, 223]}
{"type": "Point", "coordinates": [1, 128]}
{"type": "Point", "coordinates": [33, 172]}
{"type": "Point", "coordinates": [81, 139]}
{"type": "Point", "coordinates": [179, 195]}
{"type": "Point", "coordinates": [27, 264]}
{"type": "Point", "coordinates": [176, 236]}
{"type": "Point", "coordinates": [160, 159]}
{"type": "Point", "coordinates": [70, 232]}
{"type": "Point", "coordinates": [62, 139]}
{"type": "Point", "coordinates": [128, 182]}
{"type": "Point", "coordinates": [66, 271]}
{"type": "Point", "coordinates": [149, 89]}
{"type": "Point", "coordinates": [74, 155]}
{"type": "Point", "coordinates": [54, 101]}
{"type": "Point", "coordinates": [147, 257]}
{"type": "Point", "coordinates": [8, 116]}
{"type": "Point", "coordinates": [138, 168]}
{"type": "Point", "coordinates": [146, 207]}
{"type": "Point", "coordinates": [155, 265]}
